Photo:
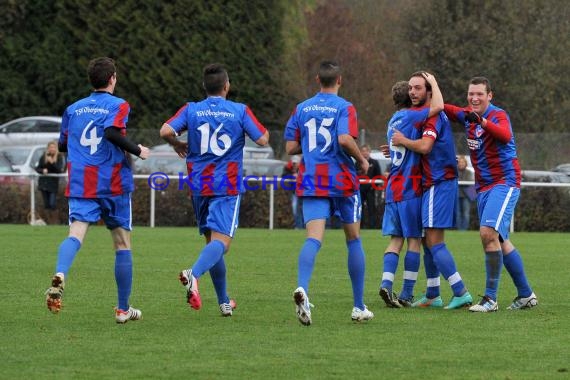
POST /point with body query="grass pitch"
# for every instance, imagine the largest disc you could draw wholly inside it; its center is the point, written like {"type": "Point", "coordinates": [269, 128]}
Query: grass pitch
{"type": "Point", "coordinates": [264, 340]}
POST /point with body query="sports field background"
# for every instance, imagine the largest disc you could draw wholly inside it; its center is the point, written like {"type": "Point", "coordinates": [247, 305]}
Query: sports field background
{"type": "Point", "coordinates": [264, 340]}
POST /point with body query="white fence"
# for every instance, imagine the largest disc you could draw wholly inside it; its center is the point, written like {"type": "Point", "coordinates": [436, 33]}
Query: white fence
{"type": "Point", "coordinates": [270, 186]}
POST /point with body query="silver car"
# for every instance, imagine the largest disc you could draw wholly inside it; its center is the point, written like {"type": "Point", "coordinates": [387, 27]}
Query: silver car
{"type": "Point", "coordinates": [30, 130]}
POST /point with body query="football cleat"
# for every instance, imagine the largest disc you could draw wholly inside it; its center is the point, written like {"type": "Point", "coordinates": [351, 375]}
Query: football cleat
{"type": "Point", "coordinates": [55, 293]}
{"type": "Point", "coordinates": [359, 315]}
{"type": "Point", "coordinates": [227, 308]}
{"type": "Point", "coordinates": [122, 316]}
{"type": "Point", "coordinates": [406, 302]}
{"type": "Point", "coordinates": [428, 302]}
{"type": "Point", "coordinates": [461, 301]}
{"type": "Point", "coordinates": [524, 302]}
{"type": "Point", "coordinates": [302, 306]}
{"type": "Point", "coordinates": [191, 284]}
{"type": "Point", "coordinates": [390, 298]}
{"type": "Point", "coordinates": [486, 305]}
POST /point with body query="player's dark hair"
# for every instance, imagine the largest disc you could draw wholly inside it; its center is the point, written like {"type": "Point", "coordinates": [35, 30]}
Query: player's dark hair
{"type": "Point", "coordinates": [215, 77]}
{"type": "Point", "coordinates": [482, 80]}
{"type": "Point", "coordinates": [400, 95]}
{"type": "Point", "coordinates": [329, 72]}
{"type": "Point", "coordinates": [420, 74]}
{"type": "Point", "coordinates": [100, 70]}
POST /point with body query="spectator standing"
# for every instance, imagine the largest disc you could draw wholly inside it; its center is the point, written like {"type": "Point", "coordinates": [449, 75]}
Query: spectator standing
{"type": "Point", "coordinates": [367, 192]}
{"type": "Point", "coordinates": [51, 162]}
{"type": "Point", "coordinates": [466, 194]}
{"type": "Point", "coordinates": [290, 171]}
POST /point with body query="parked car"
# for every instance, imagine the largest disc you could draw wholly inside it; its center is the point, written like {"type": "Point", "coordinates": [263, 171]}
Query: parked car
{"type": "Point", "coordinates": [544, 176]}
{"type": "Point", "coordinates": [250, 150]}
{"type": "Point", "coordinates": [30, 130]}
{"type": "Point", "coordinates": [263, 167]}
{"type": "Point", "coordinates": [384, 162]}
{"type": "Point", "coordinates": [168, 162]}
{"type": "Point", "coordinates": [6, 168]}
{"type": "Point", "coordinates": [562, 168]}
{"type": "Point", "coordinates": [23, 159]}
{"type": "Point", "coordinates": [161, 161]}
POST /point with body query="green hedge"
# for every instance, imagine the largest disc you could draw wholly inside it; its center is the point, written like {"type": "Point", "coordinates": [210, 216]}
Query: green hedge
{"type": "Point", "coordinates": [538, 209]}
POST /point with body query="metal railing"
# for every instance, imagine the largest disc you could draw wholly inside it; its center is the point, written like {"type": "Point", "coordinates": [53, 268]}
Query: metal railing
{"type": "Point", "coordinates": [271, 187]}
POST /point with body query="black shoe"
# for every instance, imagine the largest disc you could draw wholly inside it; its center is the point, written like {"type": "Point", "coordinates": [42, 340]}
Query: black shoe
{"type": "Point", "coordinates": [390, 298]}
{"type": "Point", "coordinates": [406, 302]}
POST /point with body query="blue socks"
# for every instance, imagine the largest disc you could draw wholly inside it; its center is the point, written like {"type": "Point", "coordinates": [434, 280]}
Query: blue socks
{"type": "Point", "coordinates": [218, 275]}
{"type": "Point", "coordinates": [432, 274]}
{"type": "Point", "coordinates": [411, 267]}
{"type": "Point", "coordinates": [513, 263]}
{"type": "Point", "coordinates": [124, 277]}
{"type": "Point", "coordinates": [389, 271]}
{"type": "Point", "coordinates": [210, 255]}
{"type": "Point", "coordinates": [356, 268]}
{"type": "Point", "coordinates": [444, 261]}
{"type": "Point", "coordinates": [307, 262]}
{"type": "Point", "coordinates": [66, 253]}
{"type": "Point", "coordinates": [493, 266]}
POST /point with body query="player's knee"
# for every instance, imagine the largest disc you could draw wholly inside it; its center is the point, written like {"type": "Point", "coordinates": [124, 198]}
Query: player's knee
{"type": "Point", "coordinates": [488, 235]}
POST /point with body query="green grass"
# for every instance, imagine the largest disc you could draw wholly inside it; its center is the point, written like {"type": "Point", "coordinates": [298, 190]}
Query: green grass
{"type": "Point", "coordinates": [264, 340]}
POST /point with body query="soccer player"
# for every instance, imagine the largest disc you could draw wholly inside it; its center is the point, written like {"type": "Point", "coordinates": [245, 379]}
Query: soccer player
{"type": "Point", "coordinates": [402, 214]}
{"type": "Point", "coordinates": [439, 181]}
{"type": "Point", "coordinates": [93, 132]}
{"type": "Point", "coordinates": [214, 156]}
{"type": "Point", "coordinates": [324, 128]}
{"type": "Point", "coordinates": [493, 153]}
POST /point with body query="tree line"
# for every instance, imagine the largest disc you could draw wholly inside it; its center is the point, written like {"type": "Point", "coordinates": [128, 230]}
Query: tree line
{"type": "Point", "coordinates": [272, 49]}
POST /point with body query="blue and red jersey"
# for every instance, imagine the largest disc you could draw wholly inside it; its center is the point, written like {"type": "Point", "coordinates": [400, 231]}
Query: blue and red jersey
{"type": "Point", "coordinates": [441, 163]}
{"type": "Point", "coordinates": [404, 181]}
{"type": "Point", "coordinates": [216, 136]}
{"type": "Point", "coordinates": [96, 167]}
{"type": "Point", "coordinates": [326, 170]}
{"type": "Point", "coordinates": [493, 155]}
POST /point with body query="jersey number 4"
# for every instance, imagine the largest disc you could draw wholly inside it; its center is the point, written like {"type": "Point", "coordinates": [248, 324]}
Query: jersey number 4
{"type": "Point", "coordinates": [323, 131]}
{"type": "Point", "coordinates": [211, 142]}
{"type": "Point", "coordinates": [92, 141]}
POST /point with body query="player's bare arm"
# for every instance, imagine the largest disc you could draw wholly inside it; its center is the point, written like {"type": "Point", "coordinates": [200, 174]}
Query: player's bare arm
{"type": "Point", "coordinates": [349, 145]}
{"type": "Point", "coordinates": [385, 149]}
{"type": "Point", "coordinates": [263, 140]}
{"type": "Point", "coordinates": [421, 146]}
{"type": "Point", "coordinates": [293, 147]}
{"type": "Point", "coordinates": [436, 104]}
{"type": "Point", "coordinates": [168, 134]}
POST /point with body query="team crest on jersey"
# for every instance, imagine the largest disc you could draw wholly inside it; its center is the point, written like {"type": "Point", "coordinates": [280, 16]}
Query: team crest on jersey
{"type": "Point", "coordinates": [473, 144]}
{"type": "Point", "coordinates": [478, 131]}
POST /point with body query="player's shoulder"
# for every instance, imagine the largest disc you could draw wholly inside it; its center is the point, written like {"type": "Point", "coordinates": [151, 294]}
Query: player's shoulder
{"type": "Point", "coordinates": [496, 109]}
{"type": "Point", "coordinates": [423, 108]}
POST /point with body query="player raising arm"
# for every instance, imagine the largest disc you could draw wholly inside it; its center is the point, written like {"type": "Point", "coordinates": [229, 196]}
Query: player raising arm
{"type": "Point", "coordinates": [439, 181]}
{"type": "Point", "coordinates": [497, 179]}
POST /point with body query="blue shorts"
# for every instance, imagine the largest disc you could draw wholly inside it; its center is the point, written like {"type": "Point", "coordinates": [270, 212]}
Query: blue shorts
{"type": "Point", "coordinates": [403, 218]}
{"type": "Point", "coordinates": [217, 213]}
{"type": "Point", "coordinates": [115, 211]}
{"type": "Point", "coordinates": [347, 209]}
{"type": "Point", "coordinates": [496, 208]}
{"type": "Point", "coordinates": [438, 205]}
